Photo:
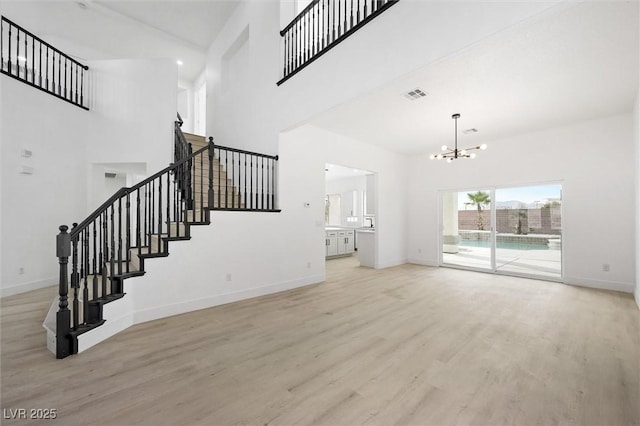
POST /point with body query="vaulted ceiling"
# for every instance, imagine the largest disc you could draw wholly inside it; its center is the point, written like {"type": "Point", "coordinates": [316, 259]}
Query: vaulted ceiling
{"type": "Point", "coordinates": [106, 29]}
{"type": "Point", "coordinates": [573, 62]}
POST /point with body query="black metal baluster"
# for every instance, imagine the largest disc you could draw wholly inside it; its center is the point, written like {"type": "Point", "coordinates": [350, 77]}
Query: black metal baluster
{"type": "Point", "coordinates": [299, 44]}
{"type": "Point", "coordinates": [112, 252]}
{"type": "Point", "coordinates": [211, 154]}
{"type": "Point", "coordinates": [75, 86]}
{"type": "Point", "coordinates": [128, 232]}
{"type": "Point", "coordinates": [59, 73]}
{"type": "Point", "coordinates": [33, 60]}
{"type": "Point", "coordinates": [85, 236]}
{"type": "Point", "coordinates": [233, 181]}
{"type": "Point", "coordinates": [18, 52]}
{"type": "Point", "coordinates": [168, 211]}
{"type": "Point", "coordinates": [94, 261]}
{"type": "Point", "coordinates": [160, 215]}
{"type": "Point", "coordinates": [262, 181]}
{"type": "Point", "coordinates": [75, 281]}
{"type": "Point", "coordinates": [46, 73]}
{"type": "Point", "coordinates": [65, 77]}
{"type": "Point", "coordinates": [2, 44]}
{"type": "Point", "coordinates": [313, 28]}
{"type": "Point", "coordinates": [273, 181]}
{"type": "Point", "coordinates": [82, 86]}
{"type": "Point", "coordinates": [120, 236]}
{"type": "Point", "coordinates": [26, 58]}
{"type": "Point", "coordinates": [40, 66]}
{"type": "Point", "coordinates": [138, 239]}
{"type": "Point", "coordinates": [226, 180]}
{"type": "Point", "coordinates": [105, 251]}
{"type": "Point", "coordinates": [333, 21]}
{"type": "Point", "coordinates": [251, 181]}
{"type": "Point", "coordinates": [245, 180]}
{"type": "Point", "coordinates": [9, 66]}
{"type": "Point", "coordinates": [286, 56]}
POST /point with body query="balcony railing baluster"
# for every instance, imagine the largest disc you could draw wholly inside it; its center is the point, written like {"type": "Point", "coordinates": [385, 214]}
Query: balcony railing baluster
{"type": "Point", "coordinates": [321, 26]}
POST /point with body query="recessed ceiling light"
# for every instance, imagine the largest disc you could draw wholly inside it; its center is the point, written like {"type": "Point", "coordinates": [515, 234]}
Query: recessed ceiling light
{"type": "Point", "coordinates": [179, 62]}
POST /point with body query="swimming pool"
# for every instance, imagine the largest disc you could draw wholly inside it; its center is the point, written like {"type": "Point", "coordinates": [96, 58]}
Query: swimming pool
{"type": "Point", "coordinates": [511, 245]}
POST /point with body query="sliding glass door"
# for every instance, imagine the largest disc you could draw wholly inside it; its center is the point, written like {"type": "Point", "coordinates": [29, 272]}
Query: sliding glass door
{"type": "Point", "coordinates": [466, 229]}
{"type": "Point", "coordinates": [515, 231]}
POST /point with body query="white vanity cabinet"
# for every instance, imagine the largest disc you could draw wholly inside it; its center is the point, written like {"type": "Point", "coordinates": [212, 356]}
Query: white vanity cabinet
{"type": "Point", "coordinates": [340, 242]}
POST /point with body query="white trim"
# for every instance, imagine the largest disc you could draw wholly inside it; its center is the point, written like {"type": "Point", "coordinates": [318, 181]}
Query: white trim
{"type": "Point", "coordinates": [390, 264]}
{"type": "Point", "coordinates": [118, 315]}
{"type": "Point", "coordinates": [602, 285]}
{"type": "Point", "coordinates": [221, 299]}
{"type": "Point", "coordinates": [22, 288]}
{"type": "Point", "coordinates": [423, 262]}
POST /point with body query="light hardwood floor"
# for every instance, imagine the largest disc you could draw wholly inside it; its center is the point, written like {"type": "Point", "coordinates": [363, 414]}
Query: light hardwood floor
{"type": "Point", "coordinates": [405, 345]}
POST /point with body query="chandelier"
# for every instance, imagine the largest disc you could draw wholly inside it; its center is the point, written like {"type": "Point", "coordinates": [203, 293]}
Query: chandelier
{"type": "Point", "coordinates": [454, 153]}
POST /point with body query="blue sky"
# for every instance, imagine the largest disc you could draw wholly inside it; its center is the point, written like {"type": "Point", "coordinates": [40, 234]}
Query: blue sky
{"type": "Point", "coordinates": [526, 194]}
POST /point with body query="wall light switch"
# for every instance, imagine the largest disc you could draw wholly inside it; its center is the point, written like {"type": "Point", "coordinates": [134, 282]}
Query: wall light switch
{"type": "Point", "coordinates": [26, 153]}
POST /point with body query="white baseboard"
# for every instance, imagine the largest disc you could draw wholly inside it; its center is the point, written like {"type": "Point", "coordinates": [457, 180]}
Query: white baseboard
{"type": "Point", "coordinates": [118, 316]}
{"type": "Point", "coordinates": [383, 265]}
{"type": "Point", "coordinates": [637, 295]}
{"type": "Point", "coordinates": [602, 285]}
{"type": "Point", "coordinates": [424, 262]}
{"type": "Point", "coordinates": [22, 288]}
{"type": "Point", "coordinates": [221, 299]}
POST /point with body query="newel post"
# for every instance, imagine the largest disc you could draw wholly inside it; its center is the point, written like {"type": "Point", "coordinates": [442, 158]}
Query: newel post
{"type": "Point", "coordinates": [210, 192]}
{"type": "Point", "coordinates": [63, 317]}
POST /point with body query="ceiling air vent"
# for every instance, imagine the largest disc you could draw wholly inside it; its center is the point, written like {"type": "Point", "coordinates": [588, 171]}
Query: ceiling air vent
{"type": "Point", "coordinates": [110, 175]}
{"type": "Point", "coordinates": [414, 94]}
{"type": "Point", "coordinates": [473, 130]}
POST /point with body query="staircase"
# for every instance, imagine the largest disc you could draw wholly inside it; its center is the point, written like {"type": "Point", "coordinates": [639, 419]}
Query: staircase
{"type": "Point", "coordinates": [139, 223]}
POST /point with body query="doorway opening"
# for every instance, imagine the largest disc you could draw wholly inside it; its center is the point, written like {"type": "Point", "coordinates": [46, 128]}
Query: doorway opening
{"type": "Point", "coordinates": [350, 219]}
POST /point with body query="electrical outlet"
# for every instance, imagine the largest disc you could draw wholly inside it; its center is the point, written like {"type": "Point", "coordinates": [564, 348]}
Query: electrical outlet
{"type": "Point", "coordinates": [21, 270]}
{"type": "Point", "coordinates": [419, 251]}
{"type": "Point", "coordinates": [228, 277]}
{"type": "Point", "coordinates": [308, 264]}
{"type": "Point", "coordinates": [606, 267]}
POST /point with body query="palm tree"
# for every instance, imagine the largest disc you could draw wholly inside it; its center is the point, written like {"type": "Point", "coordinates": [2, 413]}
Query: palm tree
{"type": "Point", "coordinates": [479, 199]}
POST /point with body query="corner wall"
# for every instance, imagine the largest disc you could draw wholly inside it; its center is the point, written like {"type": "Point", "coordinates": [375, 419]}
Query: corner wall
{"type": "Point", "coordinates": [636, 128]}
{"type": "Point", "coordinates": [596, 186]}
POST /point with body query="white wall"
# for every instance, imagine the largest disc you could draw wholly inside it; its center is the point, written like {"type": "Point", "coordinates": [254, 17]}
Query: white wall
{"type": "Point", "coordinates": [34, 206]}
{"type": "Point", "coordinates": [636, 127]}
{"type": "Point", "coordinates": [130, 121]}
{"type": "Point", "coordinates": [390, 169]}
{"type": "Point", "coordinates": [598, 194]}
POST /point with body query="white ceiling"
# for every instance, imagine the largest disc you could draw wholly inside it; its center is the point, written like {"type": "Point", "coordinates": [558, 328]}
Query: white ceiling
{"type": "Point", "coordinates": [105, 29]}
{"type": "Point", "coordinates": [574, 62]}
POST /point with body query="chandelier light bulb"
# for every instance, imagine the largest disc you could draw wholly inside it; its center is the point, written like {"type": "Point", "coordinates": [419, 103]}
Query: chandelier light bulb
{"type": "Point", "coordinates": [454, 153]}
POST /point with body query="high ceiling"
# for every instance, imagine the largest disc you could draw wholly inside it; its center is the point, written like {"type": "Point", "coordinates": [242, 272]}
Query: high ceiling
{"type": "Point", "coordinates": [575, 62]}
{"type": "Point", "coordinates": [106, 29]}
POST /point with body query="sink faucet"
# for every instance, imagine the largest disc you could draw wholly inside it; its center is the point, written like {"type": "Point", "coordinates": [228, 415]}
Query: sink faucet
{"type": "Point", "coordinates": [370, 221]}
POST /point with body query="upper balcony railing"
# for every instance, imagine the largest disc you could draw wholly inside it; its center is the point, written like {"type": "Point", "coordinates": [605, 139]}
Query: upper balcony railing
{"type": "Point", "coordinates": [35, 62]}
{"type": "Point", "coordinates": [321, 26]}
